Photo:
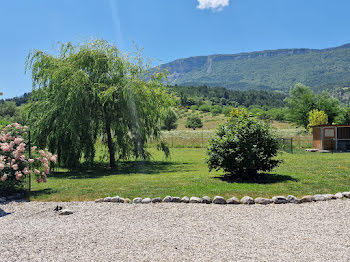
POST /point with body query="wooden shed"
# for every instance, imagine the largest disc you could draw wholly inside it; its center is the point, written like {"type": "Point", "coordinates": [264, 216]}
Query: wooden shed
{"type": "Point", "coordinates": [331, 137]}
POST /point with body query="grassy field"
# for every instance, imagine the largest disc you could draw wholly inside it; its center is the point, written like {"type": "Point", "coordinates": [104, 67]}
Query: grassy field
{"type": "Point", "coordinates": [187, 174]}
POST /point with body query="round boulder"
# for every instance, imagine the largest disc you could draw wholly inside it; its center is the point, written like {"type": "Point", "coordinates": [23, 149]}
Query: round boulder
{"type": "Point", "coordinates": [247, 200]}
{"type": "Point", "coordinates": [206, 200]}
{"type": "Point", "coordinates": [262, 201]}
{"type": "Point", "coordinates": [219, 200]}
{"type": "Point", "coordinates": [195, 200]}
{"type": "Point", "coordinates": [233, 201]}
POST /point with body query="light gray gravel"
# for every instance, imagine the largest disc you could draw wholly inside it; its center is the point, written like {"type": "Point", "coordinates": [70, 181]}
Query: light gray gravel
{"type": "Point", "coordinates": [318, 231]}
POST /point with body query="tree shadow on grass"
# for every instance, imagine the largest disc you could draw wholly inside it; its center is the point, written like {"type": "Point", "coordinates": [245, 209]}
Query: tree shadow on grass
{"type": "Point", "coordinates": [123, 168]}
{"type": "Point", "coordinates": [46, 191]}
{"type": "Point", "coordinates": [261, 178]}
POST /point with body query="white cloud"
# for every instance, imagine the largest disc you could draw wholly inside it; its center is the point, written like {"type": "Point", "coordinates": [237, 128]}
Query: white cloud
{"type": "Point", "coordinates": [216, 5]}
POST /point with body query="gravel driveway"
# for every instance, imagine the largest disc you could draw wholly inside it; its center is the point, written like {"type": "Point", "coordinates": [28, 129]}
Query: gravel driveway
{"type": "Point", "coordinates": [317, 231]}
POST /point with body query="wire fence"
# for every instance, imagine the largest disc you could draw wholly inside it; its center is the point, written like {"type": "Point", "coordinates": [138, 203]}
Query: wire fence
{"type": "Point", "coordinates": [287, 145]}
{"type": "Point", "coordinates": [200, 139]}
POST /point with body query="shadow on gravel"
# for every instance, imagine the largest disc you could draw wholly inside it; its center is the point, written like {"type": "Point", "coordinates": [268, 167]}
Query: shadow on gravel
{"type": "Point", "coordinates": [261, 178]}
{"type": "Point", "coordinates": [123, 168]}
{"type": "Point", "coordinates": [3, 213]}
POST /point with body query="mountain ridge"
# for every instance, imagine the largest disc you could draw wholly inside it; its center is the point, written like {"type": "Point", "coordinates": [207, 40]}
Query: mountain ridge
{"type": "Point", "coordinates": [209, 70]}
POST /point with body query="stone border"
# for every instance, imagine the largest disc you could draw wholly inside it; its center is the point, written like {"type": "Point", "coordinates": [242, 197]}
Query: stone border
{"type": "Point", "coordinates": [233, 200]}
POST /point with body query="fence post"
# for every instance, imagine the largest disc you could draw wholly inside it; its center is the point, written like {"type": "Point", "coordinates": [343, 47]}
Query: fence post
{"type": "Point", "coordinates": [202, 139]}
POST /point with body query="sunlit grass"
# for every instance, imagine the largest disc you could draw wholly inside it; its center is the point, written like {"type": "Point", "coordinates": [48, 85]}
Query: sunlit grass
{"type": "Point", "coordinates": [186, 173]}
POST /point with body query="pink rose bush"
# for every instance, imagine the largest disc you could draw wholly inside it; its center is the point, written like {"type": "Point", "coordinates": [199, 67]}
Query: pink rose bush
{"type": "Point", "coordinates": [14, 158]}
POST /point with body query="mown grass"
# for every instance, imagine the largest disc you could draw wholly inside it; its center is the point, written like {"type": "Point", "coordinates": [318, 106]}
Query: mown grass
{"type": "Point", "coordinates": [186, 173]}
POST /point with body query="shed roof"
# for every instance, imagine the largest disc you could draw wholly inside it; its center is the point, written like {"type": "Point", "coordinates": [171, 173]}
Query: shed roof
{"type": "Point", "coordinates": [331, 126]}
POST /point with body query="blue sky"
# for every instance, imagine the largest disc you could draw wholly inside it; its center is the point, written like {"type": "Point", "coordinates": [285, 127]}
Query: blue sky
{"type": "Point", "coordinates": [166, 29]}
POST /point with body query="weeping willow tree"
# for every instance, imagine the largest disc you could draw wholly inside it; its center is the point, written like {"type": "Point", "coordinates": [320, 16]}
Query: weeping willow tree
{"type": "Point", "coordinates": [92, 90]}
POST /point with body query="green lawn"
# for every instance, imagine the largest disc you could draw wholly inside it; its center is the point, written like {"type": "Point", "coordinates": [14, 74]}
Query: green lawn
{"type": "Point", "coordinates": [187, 174]}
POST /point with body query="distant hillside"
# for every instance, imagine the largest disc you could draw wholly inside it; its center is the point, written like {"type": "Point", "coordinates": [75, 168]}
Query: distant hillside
{"type": "Point", "coordinates": [266, 70]}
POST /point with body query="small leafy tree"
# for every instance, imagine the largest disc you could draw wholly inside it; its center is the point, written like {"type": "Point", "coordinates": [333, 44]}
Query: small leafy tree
{"type": "Point", "coordinates": [317, 117]}
{"type": "Point", "coordinates": [243, 146]}
{"type": "Point", "coordinates": [227, 110]}
{"type": "Point", "coordinates": [344, 116]}
{"type": "Point", "coordinates": [169, 121]}
{"type": "Point", "coordinates": [205, 108]}
{"type": "Point", "coordinates": [194, 122]}
{"type": "Point", "coordinates": [215, 110]}
{"type": "Point", "coordinates": [300, 102]}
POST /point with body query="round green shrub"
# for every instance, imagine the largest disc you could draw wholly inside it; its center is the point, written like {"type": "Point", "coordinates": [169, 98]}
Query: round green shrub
{"type": "Point", "coordinates": [243, 146]}
{"type": "Point", "coordinates": [194, 122]}
{"type": "Point", "coordinates": [205, 108]}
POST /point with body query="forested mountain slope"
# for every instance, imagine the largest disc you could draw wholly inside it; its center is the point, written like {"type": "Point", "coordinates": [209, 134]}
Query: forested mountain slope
{"type": "Point", "coordinates": [266, 70]}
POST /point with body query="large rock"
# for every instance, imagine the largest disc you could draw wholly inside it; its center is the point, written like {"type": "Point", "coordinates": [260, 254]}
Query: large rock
{"type": "Point", "coordinates": [307, 198]}
{"type": "Point", "coordinates": [107, 199]}
{"type": "Point", "coordinates": [127, 200]}
{"type": "Point", "coordinates": [176, 200]}
{"type": "Point", "coordinates": [262, 201]}
{"type": "Point", "coordinates": [156, 200]}
{"type": "Point", "coordinates": [329, 196]}
{"type": "Point", "coordinates": [233, 201]}
{"type": "Point", "coordinates": [219, 200]}
{"type": "Point", "coordinates": [115, 199]}
{"type": "Point", "coordinates": [293, 199]}
{"type": "Point", "coordinates": [320, 197]}
{"type": "Point", "coordinates": [137, 200]}
{"type": "Point", "coordinates": [185, 199]}
{"type": "Point", "coordinates": [247, 200]}
{"type": "Point", "coordinates": [346, 194]}
{"type": "Point", "coordinates": [121, 200]}
{"type": "Point", "coordinates": [339, 195]}
{"type": "Point", "coordinates": [195, 200]}
{"type": "Point", "coordinates": [97, 200]}
{"type": "Point", "coordinates": [168, 199]}
{"type": "Point", "coordinates": [279, 200]}
{"type": "Point", "coordinates": [146, 200]}
{"type": "Point", "coordinates": [64, 212]}
{"type": "Point", "coordinates": [206, 200]}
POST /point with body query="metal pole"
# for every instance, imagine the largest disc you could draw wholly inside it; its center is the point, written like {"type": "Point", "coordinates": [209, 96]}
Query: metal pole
{"type": "Point", "coordinates": [29, 178]}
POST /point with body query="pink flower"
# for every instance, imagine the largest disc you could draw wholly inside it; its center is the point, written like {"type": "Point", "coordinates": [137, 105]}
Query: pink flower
{"type": "Point", "coordinates": [18, 140]}
{"type": "Point", "coordinates": [4, 177]}
{"type": "Point", "coordinates": [53, 158]}
{"type": "Point", "coordinates": [47, 170]}
{"type": "Point", "coordinates": [36, 171]}
{"type": "Point", "coordinates": [15, 167]}
{"type": "Point", "coordinates": [2, 166]}
{"type": "Point", "coordinates": [18, 175]}
{"type": "Point", "coordinates": [31, 160]}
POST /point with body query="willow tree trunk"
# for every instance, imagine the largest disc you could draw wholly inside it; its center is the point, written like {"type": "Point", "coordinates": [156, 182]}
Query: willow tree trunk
{"type": "Point", "coordinates": [110, 144]}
